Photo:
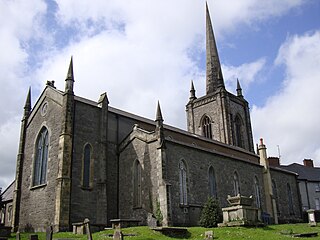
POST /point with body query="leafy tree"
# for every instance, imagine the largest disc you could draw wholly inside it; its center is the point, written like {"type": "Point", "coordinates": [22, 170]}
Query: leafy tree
{"type": "Point", "coordinates": [211, 214]}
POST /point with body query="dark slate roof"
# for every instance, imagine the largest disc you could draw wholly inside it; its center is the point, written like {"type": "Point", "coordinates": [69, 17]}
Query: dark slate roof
{"type": "Point", "coordinates": [305, 173]}
{"type": "Point", "coordinates": [7, 195]}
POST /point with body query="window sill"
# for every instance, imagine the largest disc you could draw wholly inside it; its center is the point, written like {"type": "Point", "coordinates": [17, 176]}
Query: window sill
{"type": "Point", "coordinates": [86, 188]}
{"type": "Point", "coordinates": [38, 186]}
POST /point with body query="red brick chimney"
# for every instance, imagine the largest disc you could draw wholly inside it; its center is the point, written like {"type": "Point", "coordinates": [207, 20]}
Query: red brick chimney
{"type": "Point", "coordinates": [274, 161]}
{"type": "Point", "coordinates": [308, 162]}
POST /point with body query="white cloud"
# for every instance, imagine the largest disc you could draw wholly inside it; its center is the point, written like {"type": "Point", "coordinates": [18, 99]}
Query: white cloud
{"type": "Point", "coordinates": [246, 73]}
{"type": "Point", "coordinates": [120, 46]}
{"type": "Point", "coordinates": [290, 118]}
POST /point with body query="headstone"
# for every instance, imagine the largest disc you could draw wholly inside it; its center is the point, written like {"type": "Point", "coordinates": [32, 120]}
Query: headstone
{"type": "Point", "coordinates": [33, 237]}
{"type": "Point", "coordinates": [87, 226]}
{"type": "Point", "coordinates": [208, 235]}
{"type": "Point", "coordinates": [49, 233]}
{"type": "Point", "coordinates": [18, 237]}
{"type": "Point", "coordinates": [152, 221]}
{"type": "Point", "coordinates": [311, 217]}
{"type": "Point", "coordinates": [117, 235]}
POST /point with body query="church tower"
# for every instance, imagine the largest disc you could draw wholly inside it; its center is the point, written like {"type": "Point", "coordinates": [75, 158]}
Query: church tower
{"type": "Point", "coordinates": [219, 115]}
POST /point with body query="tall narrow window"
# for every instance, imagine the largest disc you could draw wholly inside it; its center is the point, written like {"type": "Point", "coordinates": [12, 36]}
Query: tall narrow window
{"type": "Point", "coordinates": [236, 186]}
{"type": "Point", "coordinates": [238, 128]}
{"type": "Point", "coordinates": [206, 127]}
{"type": "Point", "coordinates": [290, 200]}
{"type": "Point", "coordinates": [41, 159]}
{"type": "Point", "coordinates": [86, 166]}
{"type": "Point", "coordinates": [257, 192]}
{"type": "Point", "coordinates": [212, 183]}
{"type": "Point", "coordinates": [183, 183]}
{"type": "Point", "coordinates": [137, 184]}
{"type": "Point", "coordinates": [275, 196]}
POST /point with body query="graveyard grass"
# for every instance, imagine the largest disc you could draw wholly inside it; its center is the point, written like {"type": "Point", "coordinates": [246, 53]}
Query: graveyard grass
{"type": "Point", "coordinates": [283, 231]}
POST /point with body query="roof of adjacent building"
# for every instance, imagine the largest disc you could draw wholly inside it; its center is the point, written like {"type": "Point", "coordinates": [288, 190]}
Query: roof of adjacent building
{"type": "Point", "coordinates": [304, 172]}
{"type": "Point", "coordinates": [7, 194]}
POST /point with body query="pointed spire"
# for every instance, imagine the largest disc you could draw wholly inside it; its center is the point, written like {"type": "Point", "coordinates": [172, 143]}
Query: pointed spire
{"type": "Point", "coordinates": [159, 114]}
{"type": "Point", "coordinates": [214, 73]}
{"type": "Point", "coordinates": [239, 89]}
{"type": "Point", "coordinates": [192, 92]}
{"type": "Point", "coordinates": [27, 106]}
{"type": "Point", "coordinates": [69, 78]}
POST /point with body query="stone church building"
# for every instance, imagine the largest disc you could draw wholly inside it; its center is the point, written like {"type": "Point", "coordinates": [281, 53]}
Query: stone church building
{"type": "Point", "coordinates": [80, 158]}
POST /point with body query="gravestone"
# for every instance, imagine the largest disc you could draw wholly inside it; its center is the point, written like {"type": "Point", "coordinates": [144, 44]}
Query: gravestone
{"type": "Point", "coordinates": [33, 237]}
{"type": "Point", "coordinates": [87, 226]}
{"type": "Point", "coordinates": [49, 233]}
{"type": "Point", "coordinates": [117, 235]}
{"type": "Point", "coordinates": [311, 218]}
{"type": "Point", "coordinates": [18, 237]}
{"type": "Point", "coordinates": [208, 235]}
{"type": "Point", "coordinates": [152, 221]}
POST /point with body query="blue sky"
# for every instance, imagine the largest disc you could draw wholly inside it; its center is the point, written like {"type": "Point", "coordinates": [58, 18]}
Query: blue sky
{"type": "Point", "coordinates": [143, 51]}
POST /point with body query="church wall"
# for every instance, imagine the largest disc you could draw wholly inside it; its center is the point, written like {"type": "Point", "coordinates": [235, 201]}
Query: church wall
{"type": "Point", "coordinates": [146, 154]}
{"type": "Point", "coordinates": [38, 202]}
{"type": "Point", "coordinates": [86, 131]}
{"type": "Point", "coordinates": [198, 163]}
{"type": "Point", "coordinates": [282, 179]}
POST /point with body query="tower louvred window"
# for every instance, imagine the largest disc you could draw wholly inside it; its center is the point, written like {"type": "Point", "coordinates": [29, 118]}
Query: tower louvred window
{"type": "Point", "coordinates": [206, 127]}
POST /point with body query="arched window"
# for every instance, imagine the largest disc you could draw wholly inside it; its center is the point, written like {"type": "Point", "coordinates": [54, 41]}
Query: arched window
{"type": "Point", "coordinates": [137, 184]}
{"type": "Point", "coordinates": [183, 183]}
{"type": "Point", "coordinates": [275, 196]}
{"type": "Point", "coordinates": [257, 192]}
{"type": "Point", "coordinates": [290, 200]}
{"type": "Point", "coordinates": [212, 183]}
{"type": "Point", "coordinates": [86, 175]}
{"type": "Point", "coordinates": [206, 127]}
{"type": "Point", "coordinates": [239, 131]}
{"type": "Point", "coordinates": [41, 158]}
{"type": "Point", "coordinates": [236, 185]}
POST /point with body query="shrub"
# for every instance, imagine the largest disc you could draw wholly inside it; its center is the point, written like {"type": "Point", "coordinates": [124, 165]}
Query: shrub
{"type": "Point", "coordinates": [211, 214]}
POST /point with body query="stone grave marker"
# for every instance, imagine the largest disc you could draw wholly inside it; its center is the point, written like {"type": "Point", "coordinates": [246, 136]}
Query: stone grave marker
{"type": "Point", "coordinates": [33, 237]}
{"type": "Point", "coordinates": [117, 235]}
{"type": "Point", "coordinates": [152, 221]}
{"type": "Point", "coordinates": [208, 235]}
{"type": "Point", "coordinates": [49, 233]}
{"type": "Point", "coordinates": [88, 230]}
{"type": "Point", "coordinates": [18, 237]}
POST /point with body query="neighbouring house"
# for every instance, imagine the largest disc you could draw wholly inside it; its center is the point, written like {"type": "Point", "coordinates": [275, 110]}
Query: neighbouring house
{"type": "Point", "coordinates": [309, 183]}
{"type": "Point", "coordinates": [7, 200]}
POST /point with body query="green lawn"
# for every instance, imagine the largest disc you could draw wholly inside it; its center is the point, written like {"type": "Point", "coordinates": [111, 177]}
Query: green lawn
{"type": "Point", "coordinates": [230, 233]}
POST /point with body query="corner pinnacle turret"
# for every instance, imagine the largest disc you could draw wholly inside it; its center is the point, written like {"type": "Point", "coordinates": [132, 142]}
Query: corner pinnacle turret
{"type": "Point", "coordinates": [69, 78]}
{"type": "Point", "coordinates": [214, 78]}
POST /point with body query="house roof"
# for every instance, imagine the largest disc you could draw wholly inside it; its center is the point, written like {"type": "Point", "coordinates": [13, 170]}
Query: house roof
{"type": "Point", "coordinates": [7, 195]}
{"type": "Point", "coordinates": [304, 172]}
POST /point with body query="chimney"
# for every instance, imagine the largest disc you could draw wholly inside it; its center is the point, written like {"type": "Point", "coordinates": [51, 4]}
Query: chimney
{"type": "Point", "coordinates": [308, 162]}
{"type": "Point", "coordinates": [274, 161]}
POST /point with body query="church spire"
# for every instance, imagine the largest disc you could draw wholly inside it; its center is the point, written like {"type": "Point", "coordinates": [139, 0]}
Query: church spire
{"type": "Point", "coordinates": [239, 89]}
{"type": "Point", "coordinates": [69, 78]}
{"type": "Point", "coordinates": [214, 73]}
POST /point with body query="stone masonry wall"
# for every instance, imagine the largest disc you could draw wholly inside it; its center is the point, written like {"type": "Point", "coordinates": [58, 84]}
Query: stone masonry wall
{"type": "Point", "coordinates": [281, 180]}
{"type": "Point", "coordinates": [198, 163]}
{"type": "Point", "coordinates": [86, 131]}
{"type": "Point", "coordinates": [38, 202]}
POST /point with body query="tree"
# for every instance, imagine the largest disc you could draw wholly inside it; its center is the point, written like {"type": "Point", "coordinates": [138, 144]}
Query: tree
{"type": "Point", "coordinates": [211, 214]}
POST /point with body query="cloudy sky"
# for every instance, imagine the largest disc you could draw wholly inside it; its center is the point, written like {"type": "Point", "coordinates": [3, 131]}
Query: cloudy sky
{"type": "Point", "coordinates": [147, 50]}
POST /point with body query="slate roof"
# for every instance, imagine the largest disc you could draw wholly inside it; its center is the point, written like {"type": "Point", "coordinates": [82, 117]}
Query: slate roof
{"type": "Point", "coordinates": [7, 195]}
{"type": "Point", "coordinates": [305, 173]}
